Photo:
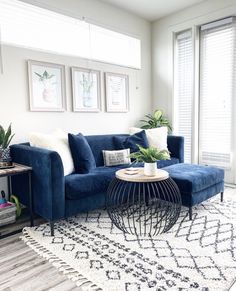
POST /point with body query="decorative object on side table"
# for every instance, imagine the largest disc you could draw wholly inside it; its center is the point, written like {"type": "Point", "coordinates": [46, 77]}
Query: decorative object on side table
{"type": "Point", "coordinates": [86, 90]}
{"type": "Point", "coordinates": [156, 120]}
{"type": "Point", "coordinates": [5, 139]}
{"type": "Point", "coordinates": [143, 205]}
{"type": "Point", "coordinates": [149, 157]}
{"type": "Point", "coordinates": [7, 211]}
{"type": "Point", "coordinates": [117, 92]}
{"type": "Point", "coordinates": [17, 170]}
{"type": "Point", "coordinates": [46, 86]}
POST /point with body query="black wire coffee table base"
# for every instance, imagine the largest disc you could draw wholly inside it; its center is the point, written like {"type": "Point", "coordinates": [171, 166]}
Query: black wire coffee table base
{"type": "Point", "coordinates": [143, 208]}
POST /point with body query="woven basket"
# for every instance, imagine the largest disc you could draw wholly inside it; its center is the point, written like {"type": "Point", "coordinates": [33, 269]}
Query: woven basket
{"type": "Point", "coordinates": [8, 214]}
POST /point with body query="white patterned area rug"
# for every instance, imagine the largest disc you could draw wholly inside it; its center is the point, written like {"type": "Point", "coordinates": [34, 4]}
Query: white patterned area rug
{"type": "Point", "coordinates": [194, 255]}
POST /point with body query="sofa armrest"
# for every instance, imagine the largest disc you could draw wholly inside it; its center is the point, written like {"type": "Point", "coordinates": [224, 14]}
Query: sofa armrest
{"type": "Point", "coordinates": [176, 147]}
{"type": "Point", "coordinates": [47, 180]}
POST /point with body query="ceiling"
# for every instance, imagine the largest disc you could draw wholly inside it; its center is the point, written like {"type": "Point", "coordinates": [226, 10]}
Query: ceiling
{"type": "Point", "coordinates": [152, 9]}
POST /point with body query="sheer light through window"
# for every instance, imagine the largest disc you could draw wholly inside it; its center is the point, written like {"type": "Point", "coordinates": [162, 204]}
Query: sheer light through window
{"type": "Point", "coordinates": [33, 27]}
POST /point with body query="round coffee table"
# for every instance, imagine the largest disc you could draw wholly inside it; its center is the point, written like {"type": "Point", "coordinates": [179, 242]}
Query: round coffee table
{"type": "Point", "coordinates": [143, 205]}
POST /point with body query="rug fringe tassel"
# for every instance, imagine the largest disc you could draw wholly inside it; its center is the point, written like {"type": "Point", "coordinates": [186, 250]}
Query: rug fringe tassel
{"type": "Point", "coordinates": [62, 266]}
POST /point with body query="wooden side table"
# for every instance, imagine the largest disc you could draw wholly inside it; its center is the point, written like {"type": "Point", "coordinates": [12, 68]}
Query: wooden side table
{"type": "Point", "coordinates": [19, 169]}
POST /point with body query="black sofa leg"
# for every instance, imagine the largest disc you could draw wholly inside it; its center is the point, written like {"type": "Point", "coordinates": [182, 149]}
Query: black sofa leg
{"type": "Point", "coordinates": [190, 213]}
{"type": "Point", "coordinates": [222, 196]}
{"type": "Point", "coordinates": [52, 228]}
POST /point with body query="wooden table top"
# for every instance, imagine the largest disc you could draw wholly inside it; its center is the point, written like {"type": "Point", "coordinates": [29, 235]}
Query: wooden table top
{"type": "Point", "coordinates": [139, 176]}
{"type": "Point", "coordinates": [17, 169]}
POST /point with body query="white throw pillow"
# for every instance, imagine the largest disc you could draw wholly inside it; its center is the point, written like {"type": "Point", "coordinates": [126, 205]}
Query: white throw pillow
{"type": "Point", "coordinates": [57, 141]}
{"type": "Point", "coordinates": [157, 137]}
{"type": "Point", "coordinates": [115, 158]}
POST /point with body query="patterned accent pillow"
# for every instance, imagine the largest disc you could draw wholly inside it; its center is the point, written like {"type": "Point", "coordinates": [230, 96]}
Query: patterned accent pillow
{"type": "Point", "coordinates": [115, 158]}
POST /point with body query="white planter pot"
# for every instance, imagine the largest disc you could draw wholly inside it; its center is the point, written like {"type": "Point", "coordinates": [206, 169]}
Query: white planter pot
{"type": "Point", "coordinates": [150, 169]}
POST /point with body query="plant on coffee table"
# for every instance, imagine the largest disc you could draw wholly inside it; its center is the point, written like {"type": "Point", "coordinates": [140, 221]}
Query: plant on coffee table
{"type": "Point", "coordinates": [149, 156]}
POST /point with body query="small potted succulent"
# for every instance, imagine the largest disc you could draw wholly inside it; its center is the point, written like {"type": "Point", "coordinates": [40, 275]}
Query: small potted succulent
{"type": "Point", "coordinates": [5, 139]}
{"type": "Point", "coordinates": [150, 156]}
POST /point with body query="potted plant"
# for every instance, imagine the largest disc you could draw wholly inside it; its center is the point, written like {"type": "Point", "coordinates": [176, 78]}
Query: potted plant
{"type": "Point", "coordinates": [5, 139]}
{"type": "Point", "coordinates": [150, 156]}
{"type": "Point", "coordinates": [156, 120]}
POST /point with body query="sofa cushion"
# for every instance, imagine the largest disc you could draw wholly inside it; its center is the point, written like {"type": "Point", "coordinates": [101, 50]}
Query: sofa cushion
{"type": "Point", "coordinates": [81, 153]}
{"type": "Point", "coordinates": [166, 163]}
{"type": "Point", "coordinates": [157, 137]}
{"type": "Point", "coordinates": [131, 141]}
{"type": "Point", "coordinates": [98, 143]}
{"type": "Point", "coordinates": [78, 186]}
{"type": "Point", "coordinates": [96, 181]}
{"type": "Point", "coordinates": [192, 178]}
{"type": "Point", "coordinates": [56, 141]}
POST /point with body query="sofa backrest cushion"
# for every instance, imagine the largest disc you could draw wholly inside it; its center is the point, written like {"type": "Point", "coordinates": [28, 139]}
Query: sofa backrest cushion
{"type": "Point", "coordinates": [98, 143]}
{"type": "Point", "coordinates": [82, 154]}
{"type": "Point", "coordinates": [157, 137]}
{"type": "Point", "coordinates": [132, 141]}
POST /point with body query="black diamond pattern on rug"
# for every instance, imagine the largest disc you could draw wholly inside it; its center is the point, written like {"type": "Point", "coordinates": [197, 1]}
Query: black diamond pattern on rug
{"type": "Point", "coordinates": [195, 255]}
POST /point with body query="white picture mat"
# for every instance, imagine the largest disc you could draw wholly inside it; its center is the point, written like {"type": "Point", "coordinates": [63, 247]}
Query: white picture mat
{"type": "Point", "coordinates": [86, 100]}
{"type": "Point", "coordinates": [117, 92]}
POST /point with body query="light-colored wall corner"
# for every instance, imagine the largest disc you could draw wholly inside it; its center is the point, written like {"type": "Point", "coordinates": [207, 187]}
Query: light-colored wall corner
{"type": "Point", "coordinates": [162, 44]}
{"type": "Point", "coordinates": [14, 97]}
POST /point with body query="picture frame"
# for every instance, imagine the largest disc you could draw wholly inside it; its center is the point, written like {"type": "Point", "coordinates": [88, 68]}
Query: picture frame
{"type": "Point", "coordinates": [117, 92]}
{"type": "Point", "coordinates": [46, 86]}
{"type": "Point", "coordinates": [86, 89]}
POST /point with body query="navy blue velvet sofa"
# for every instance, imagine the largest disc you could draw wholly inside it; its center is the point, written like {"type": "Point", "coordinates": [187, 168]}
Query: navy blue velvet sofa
{"type": "Point", "coordinates": [55, 196]}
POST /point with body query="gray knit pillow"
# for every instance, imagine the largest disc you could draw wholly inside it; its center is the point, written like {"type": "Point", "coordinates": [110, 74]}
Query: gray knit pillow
{"type": "Point", "coordinates": [115, 158]}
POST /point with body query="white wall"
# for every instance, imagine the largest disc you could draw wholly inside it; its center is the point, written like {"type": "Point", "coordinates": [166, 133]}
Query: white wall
{"type": "Point", "coordinates": [14, 104]}
{"type": "Point", "coordinates": [14, 99]}
{"type": "Point", "coordinates": [162, 44]}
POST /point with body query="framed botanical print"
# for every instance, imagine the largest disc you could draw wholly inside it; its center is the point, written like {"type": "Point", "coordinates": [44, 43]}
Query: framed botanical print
{"type": "Point", "coordinates": [117, 92]}
{"type": "Point", "coordinates": [86, 90]}
{"type": "Point", "coordinates": [46, 86]}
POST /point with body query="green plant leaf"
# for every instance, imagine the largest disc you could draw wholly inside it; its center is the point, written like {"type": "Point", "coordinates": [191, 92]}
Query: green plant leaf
{"type": "Point", "coordinates": [5, 136]}
{"type": "Point", "coordinates": [9, 141]}
{"type": "Point", "coordinates": [40, 76]}
{"type": "Point", "coordinates": [156, 120]}
{"type": "Point", "coordinates": [2, 135]}
{"type": "Point", "coordinates": [145, 126]}
{"type": "Point", "coordinates": [150, 155]}
{"type": "Point", "coordinates": [158, 114]}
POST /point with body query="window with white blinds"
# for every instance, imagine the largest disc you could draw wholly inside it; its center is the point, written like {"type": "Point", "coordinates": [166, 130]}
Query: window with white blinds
{"type": "Point", "coordinates": [183, 84]}
{"type": "Point", "coordinates": [30, 26]}
{"type": "Point", "coordinates": [217, 91]}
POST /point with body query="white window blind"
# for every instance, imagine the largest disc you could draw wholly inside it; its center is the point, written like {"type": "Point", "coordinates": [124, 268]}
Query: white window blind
{"type": "Point", "coordinates": [29, 26]}
{"type": "Point", "coordinates": [184, 90]}
{"type": "Point", "coordinates": [217, 90]}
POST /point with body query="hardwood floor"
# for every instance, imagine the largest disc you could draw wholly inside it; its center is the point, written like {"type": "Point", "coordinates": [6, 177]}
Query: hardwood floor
{"type": "Point", "coordinates": [24, 270]}
{"type": "Point", "coordinates": [21, 222]}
